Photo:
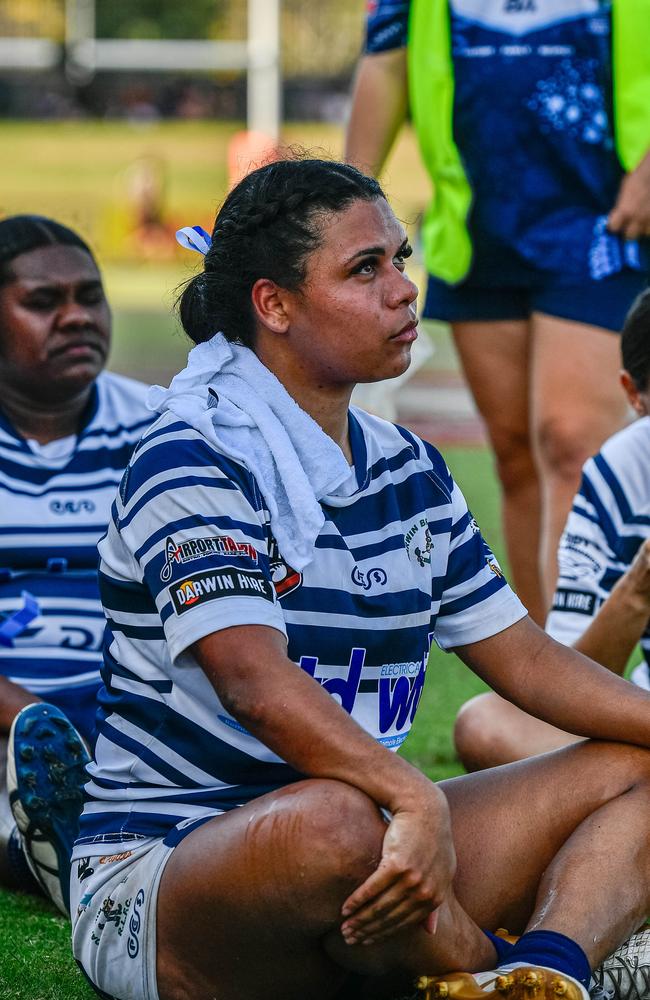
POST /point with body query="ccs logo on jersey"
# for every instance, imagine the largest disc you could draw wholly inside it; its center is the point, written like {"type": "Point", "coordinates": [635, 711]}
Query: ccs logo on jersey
{"type": "Point", "coordinates": [225, 582]}
{"type": "Point", "coordinates": [72, 506]}
{"type": "Point", "coordinates": [180, 553]}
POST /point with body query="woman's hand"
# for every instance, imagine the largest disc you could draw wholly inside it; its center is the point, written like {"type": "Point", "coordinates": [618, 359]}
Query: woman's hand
{"type": "Point", "coordinates": [630, 216]}
{"type": "Point", "coordinates": [636, 581]}
{"type": "Point", "coordinates": [417, 865]}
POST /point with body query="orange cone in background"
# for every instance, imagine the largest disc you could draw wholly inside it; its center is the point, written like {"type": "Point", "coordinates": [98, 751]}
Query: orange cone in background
{"type": "Point", "coordinates": [248, 150]}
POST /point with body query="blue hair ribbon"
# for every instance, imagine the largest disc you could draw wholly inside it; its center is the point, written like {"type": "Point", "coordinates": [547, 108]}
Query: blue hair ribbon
{"type": "Point", "coordinates": [194, 238]}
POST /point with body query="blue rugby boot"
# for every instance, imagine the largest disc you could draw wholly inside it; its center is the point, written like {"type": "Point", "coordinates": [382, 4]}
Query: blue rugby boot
{"type": "Point", "coordinates": [46, 764]}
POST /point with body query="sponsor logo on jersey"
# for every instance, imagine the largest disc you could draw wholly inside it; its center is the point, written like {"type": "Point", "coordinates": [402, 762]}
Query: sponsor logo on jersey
{"type": "Point", "coordinates": [418, 542]}
{"type": "Point", "coordinates": [575, 560]}
{"type": "Point", "coordinates": [579, 601]}
{"type": "Point", "coordinates": [399, 686]}
{"type": "Point", "coordinates": [375, 576]}
{"type": "Point", "coordinates": [519, 6]}
{"type": "Point", "coordinates": [518, 17]}
{"type": "Point", "coordinates": [179, 553]}
{"type": "Point", "coordinates": [228, 581]}
{"type": "Point", "coordinates": [285, 578]}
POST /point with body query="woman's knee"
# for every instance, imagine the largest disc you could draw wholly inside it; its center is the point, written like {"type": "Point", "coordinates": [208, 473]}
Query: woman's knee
{"type": "Point", "coordinates": [477, 732]}
{"type": "Point", "coordinates": [343, 824]}
{"type": "Point", "coordinates": [563, 445]}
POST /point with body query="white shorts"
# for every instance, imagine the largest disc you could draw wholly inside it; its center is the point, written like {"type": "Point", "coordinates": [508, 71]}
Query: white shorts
{"type": "Point", "coordinates": [113, 906]}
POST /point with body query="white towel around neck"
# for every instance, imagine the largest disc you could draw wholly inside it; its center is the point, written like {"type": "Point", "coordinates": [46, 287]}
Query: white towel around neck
{"type": "Point", "coordinates": [234, 401]}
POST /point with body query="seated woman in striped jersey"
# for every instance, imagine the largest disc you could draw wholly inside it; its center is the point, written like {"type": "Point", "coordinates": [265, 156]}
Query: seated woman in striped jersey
{"type": "Point", "coordinates": [276, 568]}
{"type": "Point", "coordinates": [66, 434]}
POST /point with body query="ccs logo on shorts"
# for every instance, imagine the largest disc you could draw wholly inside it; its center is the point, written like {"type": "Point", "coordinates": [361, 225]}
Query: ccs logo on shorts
{"type": "Point", "coordinates": [211, 585]}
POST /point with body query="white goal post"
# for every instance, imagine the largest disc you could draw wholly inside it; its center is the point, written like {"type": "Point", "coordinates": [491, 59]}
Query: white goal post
{"type": "Point", "coordinates": [85, 54]}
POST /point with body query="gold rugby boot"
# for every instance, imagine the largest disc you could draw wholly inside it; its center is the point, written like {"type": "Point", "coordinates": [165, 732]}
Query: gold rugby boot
{"type": "Point", "coordinates": [510, 983]}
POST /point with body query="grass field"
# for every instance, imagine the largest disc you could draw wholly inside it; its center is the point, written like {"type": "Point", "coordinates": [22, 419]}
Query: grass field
{"type": "Point", "coordinates": [78, 173]}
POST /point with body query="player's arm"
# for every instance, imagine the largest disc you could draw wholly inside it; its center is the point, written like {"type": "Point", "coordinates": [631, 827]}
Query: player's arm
{"type": "Point", "coordinates": [290, 713]}
{"type": "Point", "coordinates": [379, 105]}
{"type": "Point", "coordinates": [558, 684]}
{"type": "Point", "coordinates": [630, 215]}
{"type": "Point", "coordinates": [622, 618]}
{"type": "Point", "coordinates": [12, 699]}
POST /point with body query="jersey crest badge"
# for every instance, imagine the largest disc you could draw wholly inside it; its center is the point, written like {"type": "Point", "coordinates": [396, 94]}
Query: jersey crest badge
{"type": "Point", "coordinates": [285, 578]}
{"type": "Point", "coordinates": [419, 543]}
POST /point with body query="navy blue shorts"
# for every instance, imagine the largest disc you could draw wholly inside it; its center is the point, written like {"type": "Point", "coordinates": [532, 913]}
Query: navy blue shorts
{"type": "Point", "coordinates": [601, 303]}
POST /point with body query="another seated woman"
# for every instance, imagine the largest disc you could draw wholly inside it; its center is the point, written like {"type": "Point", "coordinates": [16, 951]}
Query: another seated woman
{"type": "Point", "coordinates": [67, 431]}
{"type": "Point", "coordinates": [275, 571]}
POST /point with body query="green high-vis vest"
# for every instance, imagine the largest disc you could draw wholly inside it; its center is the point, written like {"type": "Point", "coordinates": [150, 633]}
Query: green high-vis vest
{"type": "Point", "coordinates": [447, 244]}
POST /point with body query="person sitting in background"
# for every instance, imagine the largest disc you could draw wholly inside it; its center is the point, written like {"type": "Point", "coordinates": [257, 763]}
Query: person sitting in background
{"type": "Point", "coordinates": [276, 567]}
{"type": "Point", "coordinates": [602, 599]}
{"type": "Point", "coordinates": [67, 431]}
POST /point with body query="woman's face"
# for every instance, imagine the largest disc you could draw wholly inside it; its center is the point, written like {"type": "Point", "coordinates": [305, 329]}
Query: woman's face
{"type": "Point", "coordinates": [54, 323]}
{"type": "Point", "coordinates": [354, 318]}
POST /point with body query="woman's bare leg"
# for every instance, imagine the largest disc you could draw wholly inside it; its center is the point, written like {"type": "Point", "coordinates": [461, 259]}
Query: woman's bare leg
{"type": "Point", "coordinates": [250, 903]}
{"type": "Point", "coordinates": [495, 357]}
{"type": "Point", "coordinates": [560, 841]}
{"type": "Point", "coordinates": [490, 731]}
{"type": "Point", "coordinates": [576, 403]}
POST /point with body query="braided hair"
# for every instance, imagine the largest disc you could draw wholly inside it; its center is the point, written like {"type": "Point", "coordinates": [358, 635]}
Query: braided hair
{"type": "Point", "coordinates": [635, 341]}
{"type": "Point", "coordinates": [266, 228]}
{"type": "Point", "coordinates": [22, 233]}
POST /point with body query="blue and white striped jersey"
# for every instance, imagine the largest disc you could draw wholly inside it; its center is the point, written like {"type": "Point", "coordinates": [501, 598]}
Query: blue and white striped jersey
{"type": "Point", "coordinates": [189, 551]}
{"type": "Point", "coordinates": [54, 507]}
{"type": "Point", "coordinates": [610, 518]}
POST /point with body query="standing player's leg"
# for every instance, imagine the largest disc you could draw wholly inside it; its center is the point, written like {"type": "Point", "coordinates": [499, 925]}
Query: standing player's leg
{"type": "Point", "coordinates": [495, 356]}
{"type": "Point", "coordinates": [576, 404]}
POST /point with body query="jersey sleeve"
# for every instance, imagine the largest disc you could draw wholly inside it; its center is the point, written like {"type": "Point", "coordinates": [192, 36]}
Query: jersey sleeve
{"type": "Point", "coordinates": [476, 601]}
{"type": "Point", "coordinates": [386, 25]}
{"type": "Point", "coordinates": [198, 536]}
{"type": "Point", "coordinates": [588, 563]}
